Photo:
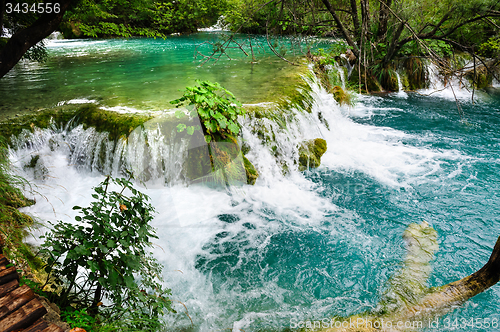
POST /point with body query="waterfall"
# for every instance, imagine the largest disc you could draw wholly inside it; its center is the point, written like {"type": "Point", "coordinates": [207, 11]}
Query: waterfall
{"type": "Point", "coordinates": [340, 70]}
{"type": "Point", "coordinates": [226, 252]}
{"type": "Point", "coordinates": [401, 91]}
{"type": "Point", "coordinates": [153, 153]}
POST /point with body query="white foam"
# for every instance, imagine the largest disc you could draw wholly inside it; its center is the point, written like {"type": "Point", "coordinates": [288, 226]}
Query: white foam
{"type": "Point", "coordinates": [447, 89]}
{"type": "Point", "coordinates": [77, 101]}
{"type": "Point", "coordinates": [187, 219]}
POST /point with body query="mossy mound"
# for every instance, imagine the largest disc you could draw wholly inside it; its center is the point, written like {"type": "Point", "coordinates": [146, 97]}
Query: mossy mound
{"type": "Point", "coordinates": [221, 160]}
{"type": "Point", "coordinates": [341, 96]}
{"type": "Point", "coordinates": [388, 79]}
{"type": "Point", "coordinates": [310, 153]}
{"type": "Point", "coordinates": [416, 73]}
{"type": "Point", "coordinates": [368, 82]}
{"type": "Point", "coordinates": [13, 223]}
{"type": "Point", "coordinates": [481, 78]}
{"type": "Point", "coordinates": [116, 124]}
{"type": "Point", "coordinates": [250, 171]}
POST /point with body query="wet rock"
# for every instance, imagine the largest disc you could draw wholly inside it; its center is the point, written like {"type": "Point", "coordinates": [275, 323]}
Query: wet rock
{"type": "Point", "coordinates": [310, 153]}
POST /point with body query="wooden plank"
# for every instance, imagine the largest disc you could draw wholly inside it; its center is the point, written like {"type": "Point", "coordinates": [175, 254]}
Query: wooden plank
{"type": "Point", "coordinates": [15, 300]}
{"type": "Point", "coordinates": [23, 317]}
{"type": "Point", "coordinates": [38, 326]}
{"type": "Point", "coordinates": [8, 274]}
{"type": "Point", "coordinates": [53, 328]}
{"type": "Point", "coordinates": [3, 260]}
{"type": "Point", "coordinates": [8, 287]}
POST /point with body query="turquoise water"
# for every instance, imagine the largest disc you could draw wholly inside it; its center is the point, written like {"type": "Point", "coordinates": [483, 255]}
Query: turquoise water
{"type": "Point", "coordinates": [141, 73]}
{"type": "Point", "coordinates": [302, 246]}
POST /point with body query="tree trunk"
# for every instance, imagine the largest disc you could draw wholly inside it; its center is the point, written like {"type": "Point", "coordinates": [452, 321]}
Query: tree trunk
{"type": "Point", "coordinates": [2, 11]}
{"type": "Point", "coordinates": [383, 18]}
{"type": "Point", "coordinates": [344, 31]}
{"type": "Point", "coordinates": [24, 39]}
{"type": "Point", "coordinates": [459, 291]}
{"type": "Point", "coordinates": [355, 21]}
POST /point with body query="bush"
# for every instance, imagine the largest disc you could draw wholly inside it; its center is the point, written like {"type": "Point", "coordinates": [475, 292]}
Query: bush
{"type": "Point", "coordinates": [217, 108]}
{"type": "Point", "coordinates": [104, 258]}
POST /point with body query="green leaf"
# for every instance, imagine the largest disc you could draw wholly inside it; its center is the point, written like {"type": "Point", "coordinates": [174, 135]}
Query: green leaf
{"type": "Point", "coordinates": [180, 114]}
{"type": "Point", "coordinates": [190, 130]}
{"type": "Point", "coordinates": [181, 127]}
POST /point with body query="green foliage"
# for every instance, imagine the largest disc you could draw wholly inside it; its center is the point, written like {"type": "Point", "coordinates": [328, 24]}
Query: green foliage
{"type": "Point", "coordinates": [13, 223]}
{"type": "Point", "coordinates": [490, 48]}
{"type": "Point", "coordinates": [78, 318]}
{"type": "Point", "coordinates": [104, 257]}
{"type": "Point", "coordinates": [217, 108]}
{"type": "Point", "coordinates": [149, 18]}
{"type": "Point", "coordinates": [35, 286]}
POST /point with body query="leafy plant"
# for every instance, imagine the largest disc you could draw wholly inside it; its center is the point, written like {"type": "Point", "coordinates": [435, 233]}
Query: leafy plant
{"type": "Point", "coordinates": [78, 318]}
{"type": "Point", "coordinates": [104, 258]}
{"type": "Point", "coordinates": [217, 108]}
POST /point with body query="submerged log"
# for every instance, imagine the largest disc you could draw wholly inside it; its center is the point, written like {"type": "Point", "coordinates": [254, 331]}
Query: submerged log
{"type": "Point", "coordinates": [409, 305]}
{"type": "Point", "coordinates": [461, 290]}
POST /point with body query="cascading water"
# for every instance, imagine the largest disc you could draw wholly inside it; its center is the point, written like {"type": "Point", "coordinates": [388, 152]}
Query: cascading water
{"type": "Point", "coordinates": [297, 245]}
{"type": "Point", "coordinates": [401, 91]}
{"type": "Point", "coordinates": [340, 70]}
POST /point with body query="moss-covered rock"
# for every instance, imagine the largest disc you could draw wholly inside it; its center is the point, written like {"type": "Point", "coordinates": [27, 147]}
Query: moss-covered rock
{"type": "Point", "coordinates": [250, 171]}
{"type": "Point", "coordinates": [116, 124]}
{"type": "Point", "coordinates": [416, 73]}
{"type": "Point", "coordinates": [369, 82]}
{"type": "Point", "coordinates": [310, 153]}
{"type": "Point", "coordinates": [90, 115]}
{"type": "Point", "coordinates": [220, 160]}
{"type": "Point", "coordinates": [481, 78]}
{"type": "Point", "coordinates": [388, 79]}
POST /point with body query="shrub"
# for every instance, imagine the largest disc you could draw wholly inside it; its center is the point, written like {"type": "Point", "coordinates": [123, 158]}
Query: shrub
{"type": "Point", "coordinates": [104, 258]}
{"type": "Point", "coordinates": [217, 108]}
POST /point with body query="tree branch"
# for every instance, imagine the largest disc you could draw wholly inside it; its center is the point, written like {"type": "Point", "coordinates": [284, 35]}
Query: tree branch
{"type": "Point", "coordinates": [24, 39]}
{"type": "Point", "coordinates": [344, 31]}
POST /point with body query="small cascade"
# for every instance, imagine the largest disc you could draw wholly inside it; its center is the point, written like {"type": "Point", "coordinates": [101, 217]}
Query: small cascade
{"type": "Point", "coordinates": [152, 154]}
{"type": "Point", "coordinates": [219, 26]}
{"type": "Point", "coordinates": [340, 70]}
{"type": "Point", "coordinates": [401, 91]}
{"type": "Point", "coordinates": [5, 33]}
{"type": "Point", "coordinates": [446, 87]}
{"type": "Point", "coordinates": [56, 35]}
{"type": "Point", "coordinates": [347, 64]}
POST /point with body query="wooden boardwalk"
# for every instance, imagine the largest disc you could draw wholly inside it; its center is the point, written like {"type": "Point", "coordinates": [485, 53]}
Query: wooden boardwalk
{"type": "Point", "coordinates": [20, 311]}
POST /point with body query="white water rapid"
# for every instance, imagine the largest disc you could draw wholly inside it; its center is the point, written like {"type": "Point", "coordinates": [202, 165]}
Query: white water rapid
{"type": "Point", "coordinates": [199, 223]}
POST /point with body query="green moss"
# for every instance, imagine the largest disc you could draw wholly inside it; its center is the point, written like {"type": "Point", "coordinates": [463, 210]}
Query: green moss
{"type": "Point", "coordinates": [250, 170]}
{"type": "Point", "coordinates": [368, 82]}
{"type": "Point", "coordinates": [116, 124]}
{"type": "Point", "coordinates": [310, 153]}
{"type": "Point", "coordinates": [416, 73]}
{"type": "Point", "coordinates": [481, 79]}
{"type": "Point", "coordinates": [13, 223]}
{"type": "Point", "coordinates": [388, 79]}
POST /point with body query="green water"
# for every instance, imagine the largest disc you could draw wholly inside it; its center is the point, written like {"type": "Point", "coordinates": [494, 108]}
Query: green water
{"type": "Point", "coordinates": [141, 73]}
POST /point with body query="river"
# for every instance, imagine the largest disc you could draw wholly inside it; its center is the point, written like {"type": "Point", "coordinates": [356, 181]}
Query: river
{"type": "Point", "coordinates": [300, 246]}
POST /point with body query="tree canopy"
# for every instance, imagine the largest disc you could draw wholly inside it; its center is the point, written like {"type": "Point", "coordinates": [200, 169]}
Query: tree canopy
{"type": "Point", "coordinates": [377, 31]}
